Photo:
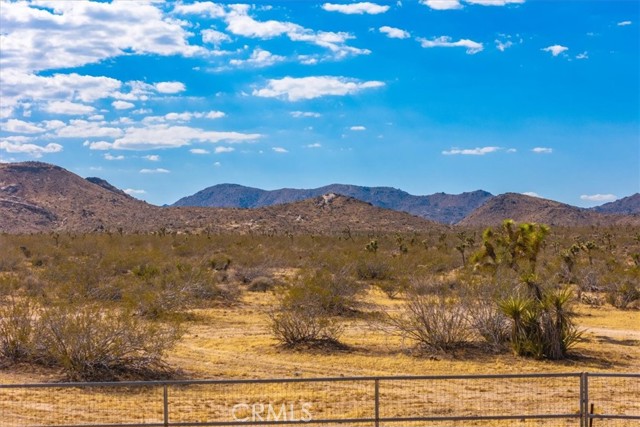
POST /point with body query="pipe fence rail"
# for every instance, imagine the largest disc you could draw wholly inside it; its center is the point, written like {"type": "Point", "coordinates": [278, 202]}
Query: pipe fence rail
{"type": "Point", "coordinates": [550, 400]}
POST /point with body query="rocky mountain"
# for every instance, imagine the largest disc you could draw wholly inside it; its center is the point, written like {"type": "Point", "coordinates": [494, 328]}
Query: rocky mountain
{"type": "Point", "coordinates": [38, 197]}
{"type": "Point", "coordinates": [523, 208]}
{"type": "Point", "coordinates": [625, 206]}
{"type": "Point", "coordinates": [440, 207]}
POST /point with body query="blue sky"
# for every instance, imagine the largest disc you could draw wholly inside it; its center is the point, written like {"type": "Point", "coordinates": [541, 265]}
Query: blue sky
{"type": "Point", "coordinates": [163, 99]}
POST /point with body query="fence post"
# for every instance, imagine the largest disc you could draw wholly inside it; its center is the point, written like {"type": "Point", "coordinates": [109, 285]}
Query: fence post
{"type": "Point", "coordinates": [165, 404]}
{"type": "Point", "coordinates": [584, 399]}
{"type": "Point", "coordinates": [377, 401]}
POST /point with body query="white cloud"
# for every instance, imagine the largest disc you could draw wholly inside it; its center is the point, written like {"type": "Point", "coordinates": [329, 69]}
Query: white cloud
{"type": "Point", "coordinates": [494, 2]}
{"type": "Point", "coordinates": [164, 136]}
{"type": "Point", "coordinates": [152, 157]}
{"type": "Point", "coordinates": [214, 115]}
{"type": "Point", "coordinates": [442, 4]}
{"type": "Point", "coordinates": [157, 170]}
{"type": "Point", "coordinates": [394, 33]}
{"type": "Point", "coordinates": [301, 114]}
{"type": "Point", "coordinates": [315, 145]}
{"type": "Point", "coordinates": [122, 105]}
{"type": "Point", "coordinates": [131, 191]}
{"type": "Point", "coordinates": [170, 87]}
{"type": "Point", "coordinates": [19, 126]}
{"type": "Point", "coordinates": [109, 156]}
{"type": "Point", "coordinates": [98, 145]}
{"type": "Point", "coordinates": [97, 117]}
{"type": "Point", "coordinates": [295, 89]}
{"type": "Point", "coordinates": [280, 150]}
{"type": "Point", "coordinates": [12, 146]}
{"type": "Point", "coordinates": [479, 151]}
{"type": "Point", "coordinates": [71, 34]}
{"type": "Point", "coordinates": [542, 150]}
{"type": "Point", "coordinates": [445, 41]}
{"type": "Point", "coordinates": [583, 55]}
{"type": "Point", "coordinates": [220, 150]}
{"type": "Point", "coordinates": [68, 107]}
{"type": "Point", "coordinates": [205, 8]}
{"type": "Point", "coordinates": [512, 150]}
{"type": "Point", "coordinates": [217, 164]}
{"type": "Point", "coordinates": [356, 8]}
{"type": "Point", "coordinates": [258, 59]}
{"type": "Point", "coordinates": [358, 128]}
{"type": "Point", "coordinates": [214, 37]}
{"type": "Point", "coordinates": [624, 23]}
{"type": "Point", "coordinates": [198, 151]}
{"type": "Point", "coordinates": [599, 197]}
{"type": "Point", "coordinates": [502, 46]}
{"type": "Point", "coordinates": [556, 49]}
{"type": "Point", "coordinates": [531, 194]}
{"type": "Point", "coordinates": [85, 129]}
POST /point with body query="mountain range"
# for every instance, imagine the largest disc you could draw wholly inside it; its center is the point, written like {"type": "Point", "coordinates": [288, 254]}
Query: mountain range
{"type": "Point", "coordinates": [39, 197]}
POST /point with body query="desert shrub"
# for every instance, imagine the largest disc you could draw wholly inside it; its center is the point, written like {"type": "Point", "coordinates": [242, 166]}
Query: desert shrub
{"type": "Point", "coordinates": [17, 328]}
{"type": "Point", "coordinates": [334, 294]}
{"type": "Point", "coordinates": [434, 324]}
{"type": "Point", "coordinates": [373, 269]}
{"type": "Point", "coordinates": [220, 262]}
{"type": "Point", "coordinates": [488, 322]}
{"type": "Point", "coordinates": [261, 284]}
{"type": "Point", "coordinates": [392, 288]}
{"type": "Point", "coordinates": [94, 344]}
{"type": "Point", "coordinates": [542, 328]}
{"type": "Point", "coordinates": [294, 327]}
{"type": "Point", "coordinates": [622, 294]}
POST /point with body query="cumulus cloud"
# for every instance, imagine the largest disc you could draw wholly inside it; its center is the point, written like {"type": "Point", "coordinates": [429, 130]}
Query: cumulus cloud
{"type": "Point", "coordinates": [165, 136]}
{"type": "Point", "coordinates": [14, 146]}
{"type": "Point", "coordinates": [445, 41]}
{"type": "Point", "coordinates": [152, 157]}
{"type": "Point", "coordinates": [599, 197]}
{"type": "Point", "coordinates": [503, 45]}
{"type": "Point", "coordinates": [214, 37]}
{"type": "Point", "coordinates": [198, 151]}
{"type": "Point", "coordinates": [259, 58]}
{"type": "Point", "coordinates": [109, 156]}
{"type": "Point", "coordinates": [280, 150]}
{"type": "Point", "coordinates": [86, 129]}
{"type": "Point", "coordinates": [295, 89]}
{"type": "Point", "coordinates": [72, 34]}
{"type": "Point", "coordinates": [98, 145]}
{"type": "Point", "coordinates": [314, 145]}
{"type": "Point", "coordinates": [19, 126]}
{"type": "Point", "coordinates": [220, 150]}
{"type": "Point", "coordinates": [394, 33]}
{"type": "Point", "coordinates": [358, 128]}
{"type": "Point", "coordinates": [442, 4]}
{"type": "Point", "coordinates": [300, 114]}
{"type": "Point", "coordinates": [583, 55]}
{"type": "Point", "coordinates": [157, 170]}
{"type": "Point", "coordinates": [479, 151]}
{"type": "Point", "coordinates": [122, 105]}
{"type": "Point", "coordinates": [624, 23]}
{"type": "Point", "coordinates": [356, 8]}
{"type": "Point", "coordinates": [131, 191]}
{"type": "Point", "coordinates": [531, 194]}
{"type": "Point", "coordinates": [542, 150]}
{"type": "Point", "coordinates": [556, 49]}
{"type": "Point", "coordinates": [170, 87]}
{"type": "Point", "coordinates": [68, 107]}
{"type": "Point", "coordinates": [494, 2]}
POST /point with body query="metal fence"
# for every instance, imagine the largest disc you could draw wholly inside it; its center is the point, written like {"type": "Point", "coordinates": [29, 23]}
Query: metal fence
{"type": "Point", "coordinates": [573, 399]}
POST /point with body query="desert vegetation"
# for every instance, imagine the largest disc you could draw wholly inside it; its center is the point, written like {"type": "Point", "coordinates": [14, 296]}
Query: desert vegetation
{"type": "Point", "coordinates": [117, 306]}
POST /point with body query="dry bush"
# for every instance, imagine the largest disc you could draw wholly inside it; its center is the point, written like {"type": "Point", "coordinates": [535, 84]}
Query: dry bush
{"type": "Point", "coordinates": [93, 344]}
{"type": "Point", "coordinates": [620, 295]}
{"type": "Point", "coordinates": [307, 326]}
{"type": "Point", "coordinates": [489, 323]}
{"type": "Point", "coordinates": [261, 284]}
{"type": "Point", "coordinates": [334, 294]}
{"type": "Point", "coordinates": [17, 329]}
{"type": "Point", "coordinates": [434, 324]}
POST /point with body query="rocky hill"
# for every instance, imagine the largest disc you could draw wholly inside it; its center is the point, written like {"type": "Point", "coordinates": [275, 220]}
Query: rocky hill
{"type": "Point", "coordinates": [38, 197]}
{"type": "Point", "coordinates": [523, 208]}
{"type": "Point", "coordinates": [440, 207]}
{"type": "Point", "coordinates": [625, 206]}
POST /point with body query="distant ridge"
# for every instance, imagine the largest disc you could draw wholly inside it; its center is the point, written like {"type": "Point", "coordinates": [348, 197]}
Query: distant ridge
{"type": "Point", "coordinates": [439, 207]}
{"type": "Point", "coordinates": [625, 206]}
{"type": "Point", "coordinates": [522, 208]}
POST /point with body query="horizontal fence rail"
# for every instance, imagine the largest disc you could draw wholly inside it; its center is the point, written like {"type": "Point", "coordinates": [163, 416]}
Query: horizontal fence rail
{"type": "Point", "coordinates": [569, 399]}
